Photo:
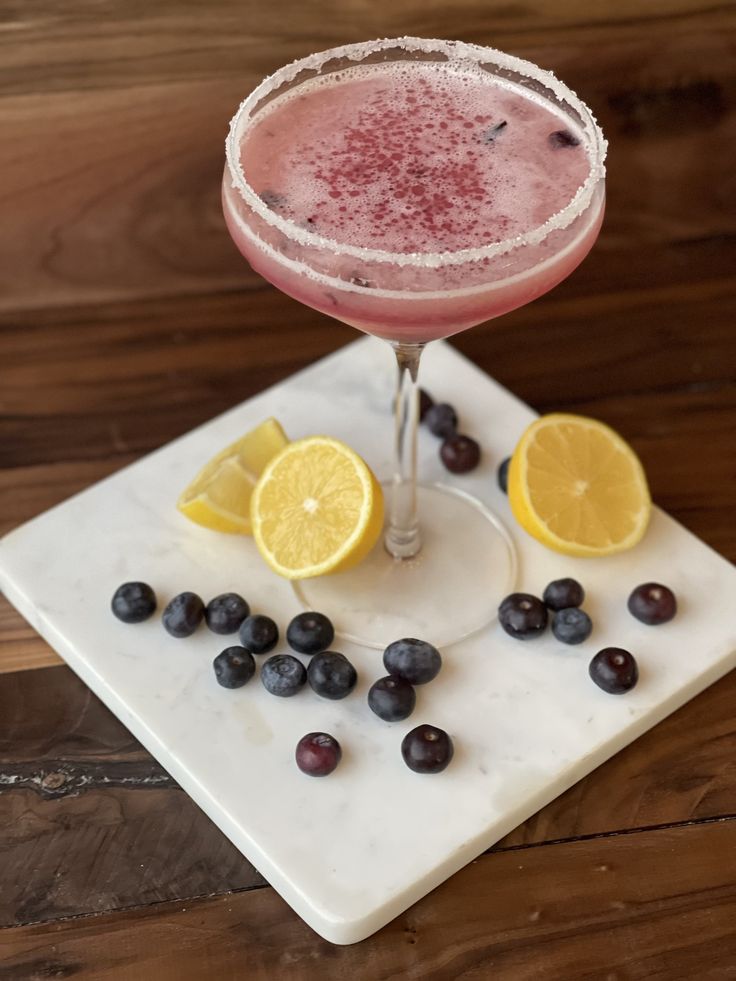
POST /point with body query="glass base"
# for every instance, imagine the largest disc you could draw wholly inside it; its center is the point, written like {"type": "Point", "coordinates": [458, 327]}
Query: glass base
{"type": "Point", "coordinates": [451, 590]}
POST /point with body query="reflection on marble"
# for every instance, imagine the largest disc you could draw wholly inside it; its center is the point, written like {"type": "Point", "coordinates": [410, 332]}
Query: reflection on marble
{"type": "Point", "coordinates": [352, 851]}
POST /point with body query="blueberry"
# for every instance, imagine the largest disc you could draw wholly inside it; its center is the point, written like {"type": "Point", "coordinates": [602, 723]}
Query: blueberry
{"type": "Point", "coordinates": [460, 454]}
{"type": "Point", "coordinates": [427, 749]}
{"type": "Point", "coordinates": [331, 675]}
{"type": "Point", "coordinates": [259, 634]}
{"type": "Point", "coordinates": [317, 754]}
{"type": "Point", "coordinates": [492, 134]}
{"type": "Point", "coordinates": [183, 615]}
{"type": "Point", "coordinates": [571, 626]}
{"type": "Point", "coordinates": [522, 615]}
{"type": "Point", "coordinates": [273, 200]}
{"type": "Point", "coordinates": [563, 593]}
{"type": "Point", "coordinates": [283, 675]}
{"type": "Point", "coordinates": [234, 667]}
{"type": "Point", "coordinates": [392, 699]}
{"type": "Point", "coordinates": [652, 603]}
{"type": "Point", "coordinates": [225, 613]}
{"type": "Point", "coordinates": [425, 403]}
{"type": "Point", "coordinates": [562, 138]}
{"type": "Point", "coordinates": [441, 420]}
{"type": "Point", "coordinates": [310, 633]}
{"type": "Point", "coordinates": [614, 670]}
{"type": "Point", "coordinates": [502, 475]}
{"type": "Point", "coordinates": [415, 661]}
{"type": "Point", "coordinates": [133, 602]}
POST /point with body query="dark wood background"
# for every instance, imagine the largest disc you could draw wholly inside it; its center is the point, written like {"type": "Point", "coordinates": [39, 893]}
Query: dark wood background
{"type": "Point", "coordinates": [127, 318]}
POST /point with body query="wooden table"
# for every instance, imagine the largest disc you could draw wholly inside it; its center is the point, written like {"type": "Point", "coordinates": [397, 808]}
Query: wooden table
{"type": "Point", "coordinates": [127, 318]}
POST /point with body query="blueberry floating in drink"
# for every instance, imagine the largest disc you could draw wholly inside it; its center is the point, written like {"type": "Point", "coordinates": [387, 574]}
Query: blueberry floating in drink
{"type": "Point", "coordinates": [133, 602]}
{"type": "Point", "coordinates": [183, 614]}
{"type": "Point", "coordinates": [283, 675]}
{"type": "Point", "coordinates": [225, 613]}
{"type": "Point", "coordinates": [614, 670]}
{"type": "Point", "coordinates": [317, 754]}
{"type": "Point", "coordinates": [652, 603]}
{"type": "Point", "coordinates": [562, 138]}
{"type": "Point", "coordinates": [427, 749]}
{"type": "Point", "coordinates": [234, 667]}
{"type": "Point", "coordinates": [273, 200]}
{"type": "Point", "coordinates": [492, 134]}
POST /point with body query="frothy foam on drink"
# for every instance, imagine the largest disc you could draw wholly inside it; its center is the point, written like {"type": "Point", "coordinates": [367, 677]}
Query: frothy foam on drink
{"type": "Point", "coordinates": [413, 157]}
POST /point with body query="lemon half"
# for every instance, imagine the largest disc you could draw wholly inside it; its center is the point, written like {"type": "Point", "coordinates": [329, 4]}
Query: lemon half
{"type": "Point", "coordinates": [577, 487]}
{"type": "Point", "coordinates": [316, 509]}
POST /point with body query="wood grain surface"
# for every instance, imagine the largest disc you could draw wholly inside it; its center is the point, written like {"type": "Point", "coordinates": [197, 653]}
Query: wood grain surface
{"type": "Point", "coordinates": [127, 317]}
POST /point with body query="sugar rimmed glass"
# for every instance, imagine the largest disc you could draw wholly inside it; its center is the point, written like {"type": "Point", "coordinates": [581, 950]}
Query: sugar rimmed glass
{"type": "Point", "coordinates": [446, 560]}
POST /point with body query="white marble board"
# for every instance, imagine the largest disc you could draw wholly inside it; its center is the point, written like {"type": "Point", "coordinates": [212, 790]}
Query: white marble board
{"type": "Point", "coordinates": [352, 851]}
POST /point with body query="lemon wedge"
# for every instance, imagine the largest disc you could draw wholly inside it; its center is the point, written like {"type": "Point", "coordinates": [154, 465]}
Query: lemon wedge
{"type": "Point", "coordinates": [219, 496]}
{"type": "Point", "coordinates": [577, 487]}
{"type": "Point", "coordinates": [316, 509]}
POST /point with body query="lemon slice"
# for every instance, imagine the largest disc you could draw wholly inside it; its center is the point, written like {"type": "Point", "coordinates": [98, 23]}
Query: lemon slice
{"type": "Point", "coordinates": [316, 509]}
{"type": "Point", "coordinates": [577, 487]}
{"type": "Point", "coordinates": [219, 496]}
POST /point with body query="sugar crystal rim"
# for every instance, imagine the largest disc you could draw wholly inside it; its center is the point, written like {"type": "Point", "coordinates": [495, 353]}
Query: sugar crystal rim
{"type": "Point", "coordinates": [457, 51]}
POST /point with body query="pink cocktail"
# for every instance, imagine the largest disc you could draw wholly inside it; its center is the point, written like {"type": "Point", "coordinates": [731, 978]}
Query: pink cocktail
{"type": "Point", "coordinates": [413, 189]}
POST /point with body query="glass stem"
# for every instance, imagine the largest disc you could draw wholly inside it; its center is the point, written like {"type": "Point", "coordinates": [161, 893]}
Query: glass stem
{"type": "Point", "coordinates": [403, 540]}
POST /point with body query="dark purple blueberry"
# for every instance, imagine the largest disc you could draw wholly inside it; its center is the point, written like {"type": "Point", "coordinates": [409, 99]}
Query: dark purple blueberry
{"type": "Point", "coordinates": [492, 134]}
{"type": "Point", "coordinates": [427, 749]}
{"type": "Point", "coordinates": [310, 633]}
{"type": "Point", "coordinates": [331, 675]}
{"type": "Point", "coordinates": [273, 200]}
{"type": "Point", "coordinates": [283, 675]}
{"type": "Point", "coordinates": [234, 667]}
{"type": "Point", "coordinates": [614, 670]}
{"type": "Point", "coordinates": [317, 754]}
{"type": "Point", "coordinates": [652, 603]}
{"type": "Point", "coordinates": [425, 403]}
{"type": "Point", "coordinates": [441, 420]}
{"type": "Point", "coordinates": [460, 454]}
{"type": "Point", "coordinates": [571, 626]}
{"type": "Point", "coordinates": [392, 699]}
{"type": "Point", "coordinates": [563, 593]}
{"type": "Point", "coordinates": [133, 602]}
{"type": "Point", "coordinates": [414, 660]}
{"type": "Point", "coordinates": [225, 613]}
{"type": "Point", "coordinates": [523, 616]}
{"type": "Point", "coordinates": [183, 615]}
{"type": "Point", "coordinates": [562, 138]}
{"type": "Point", "coordinates": [259, 634]}
{"type": "Point", "coordinates": [502, 474]}
{"type": "Point", "coordinates": [366, 284]}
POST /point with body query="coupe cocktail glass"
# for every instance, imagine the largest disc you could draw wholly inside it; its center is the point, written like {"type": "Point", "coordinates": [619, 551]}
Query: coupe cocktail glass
{"type": "Point", "coordinates": [414, 188]}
